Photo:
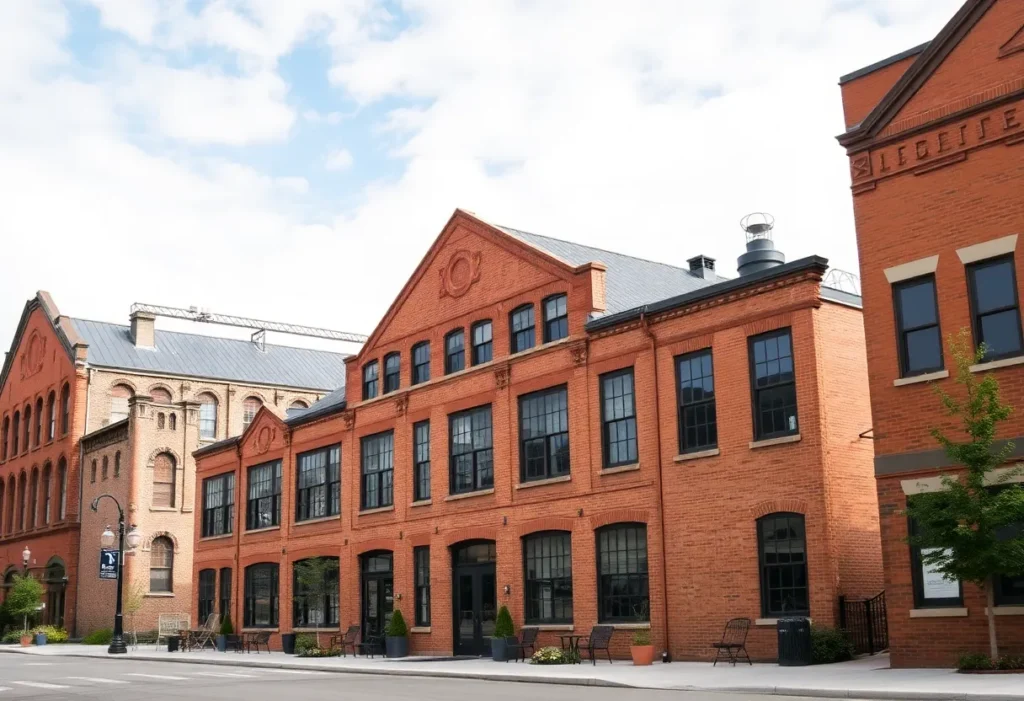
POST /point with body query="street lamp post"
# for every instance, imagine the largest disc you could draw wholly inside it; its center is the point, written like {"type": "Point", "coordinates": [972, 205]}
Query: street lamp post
{"type": "Point", "coordinates": [117, 646]}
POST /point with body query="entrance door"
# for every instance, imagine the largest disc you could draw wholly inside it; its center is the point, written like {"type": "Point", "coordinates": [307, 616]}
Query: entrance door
{"type": "Point", "coordinates": [377, 593]}
{"type": "Point", "coordinates": [475, 597]}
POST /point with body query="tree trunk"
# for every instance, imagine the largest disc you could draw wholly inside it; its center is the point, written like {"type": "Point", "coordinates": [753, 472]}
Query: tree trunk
{"type": "Point", "coordinates": [990, 596]}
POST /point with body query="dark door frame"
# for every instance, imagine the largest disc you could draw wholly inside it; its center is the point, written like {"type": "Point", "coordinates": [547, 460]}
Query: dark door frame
{"type": "Point", "coordinates": [379, 576]}
{"type": "Point", "coordinates": [480, 644]}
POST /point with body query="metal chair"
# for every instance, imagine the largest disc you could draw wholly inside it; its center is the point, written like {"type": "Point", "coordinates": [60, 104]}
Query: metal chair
{"type": "Point", "coordinates": [600, 638]}
{"type": "Point", "coordinates": [205, 635]}
{"type": "Point", "coordinates": [255, 640]}
{"type": "Point", "coordinates": [733, 645]}
{"type": "Point", "coordinates": [348, 640]}
{"type": "Point", "coordinates": [519, 645]}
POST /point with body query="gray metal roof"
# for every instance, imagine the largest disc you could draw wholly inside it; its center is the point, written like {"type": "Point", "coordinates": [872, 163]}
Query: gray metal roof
{"type": "Point", "coordinates": [630, 282]}
{"type": "Point", "coordinates": [328, 404]}
{"type": "Point", "coordinates": [192, 355]}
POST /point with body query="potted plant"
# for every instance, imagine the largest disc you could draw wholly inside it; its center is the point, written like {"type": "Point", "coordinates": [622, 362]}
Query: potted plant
{"type": "Point", "coordinates": [396, 642]}
{"type": "Point", "coordinates": [40, 637]}
{"type": "Point", "coordinates": [503, 629]}
{"type": "Point", "coordinates": [641, 649]}
{"type": "Point", "coordinates": [24, 598]}
{"type": "Point", "coordinates": [226, 630]}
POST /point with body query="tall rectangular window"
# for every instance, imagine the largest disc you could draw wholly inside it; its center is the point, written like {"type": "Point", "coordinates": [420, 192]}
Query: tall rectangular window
{"type": "Point", "coordinates": [995, 312]}
{"type": "Point", "coordinates": [556, 318]}
{"type": "Point", "coordinates": [378, 453]}
{"type": "Point", "coordinates": [919, 340]}
{"type": "Point", "coordinates": [544, 434]}
{"type": "Point", "coordinates": [392, 372]}
{"type": "Point", "coordinates": [623, 585]}
{"type": "Point", "coordinates": [522, 328]}
{"type": "Point", "coordinates": [483, 345]}
{"type": "Point", "coordinates": [783, 550]}
{"type": "Point", "coordinates": [421, 460]}
{"type": "Point", "coordinates": [618, 418]}
{"type": "Point", "coordinates": [208, 420]}
{"type": "Point", "coordinates": [207, 593]}
{"type": "Point", "coordinates": [421, 563]}
{"type": "Point", "coordinates": [261, 598]}
{"type": "Point", "coordinates": [548, 577]}
{"type": "Point", "coordinates": [370, 380]}
{"type": "Point", "coordinates": [698, 426]}
{"type": "Point", "coordinates": [472, 455]}
{"type": "Point", "coordinates": [454, 352]}
{"type": "Point", "coordinates": [421, 362]}
{"type": "Point", "coordinates": [315, 600]}
{"type": "Point", "coordinates": [218, 505]}
{"type": "Point", "coordinates": [931, 588]}
{"type": "Point", "coordinates": [319, 484]}
{"type": "Point", "coordinates": [264, 507]}
{"type": "Point", "coordinates": [773, 385]}
{"type": "Point", "coordinates": [225, 591]}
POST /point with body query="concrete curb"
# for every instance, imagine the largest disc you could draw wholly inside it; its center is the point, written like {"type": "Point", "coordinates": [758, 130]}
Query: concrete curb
{"type": "Point", "coordinates": [866, 694]}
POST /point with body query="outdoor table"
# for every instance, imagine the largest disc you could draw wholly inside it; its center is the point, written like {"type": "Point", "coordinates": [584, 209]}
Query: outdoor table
{"type": "Point", "coordinates": [571, 644]}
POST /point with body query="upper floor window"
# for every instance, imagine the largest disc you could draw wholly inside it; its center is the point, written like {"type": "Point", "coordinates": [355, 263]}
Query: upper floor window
{"type": "Point", "coordinates": [92, 471]}
{"type": "Point", "coordinates": [618, 419]}
{"type": "Point", "coordinates": [106, 468]}
{"type": "Point", "coordinates": [548, 577]}
{"type": "Point", "coordinates": [117, 462]}
{"type": "Point", "coordinates": [783, 551]}
{"type": "Point", "coordinates": [995, 312]}
{"type": "Point", "coordinates": [917, 326]}
{"type": "Point", "coordinates": [15, 433]}
{"type": "Point", "coordinates": [295, 407]}
{"type": "Point", "coordinates": [51, 417]}
{"type": "Point", "coordinates": [65, 409]}
{"type": "Point", "coordinates": [773, 384]}
{"type": "Point", "coordinates": [27, 423]}
{"type": "Point", "coordinates": [62, 485]}
{"type": "Point", "coordinates": [6, 437]}
{"type": "Point", "coordinates": [161, 565]}
{"type": "Point", "coordinates": [119, 396]}
{"type": "Point", "coordinates": [319, 486]}
{"type": "Point", "coordinates": [370, 371]}
{"type": "Point", "coordinates": [392, 372]}
{"type": "Point", "coordinates": [483, 349]}
{"type": "Point", "coordinates": [378, 457]}
{"type": "Point", "coordinates": [622, 582]}
{"type": "Point", "coordinates": [172, 421]}
{"type": "Point", "coordinates": [454, 352]}
{"type": "Point", "coordinates": [472, 455]}
{"type": "Point", "coordinates": [160, 395]}
{"type": "Point", "coordinates": [421, 460]}
{"type": "Point", "coordinates": [556, 318]}
{"type": "Point", "coordinates": [263, 509]}
{"type": "Point", "coordinates": [250, 407]}
{"type": "Point", "coordinates": [421, 362]}
{"type": "Point", "coordinates": [522, 328]}
{"type": "Point", "coordinates": [544, 434]}
{"type": "Point", "coordinates": [164, 479]}
{"type": "Point", "coordinates": [261, 596]}
{"type": "Point", "coordinates": [698, 427]}
{"type": "Point", "coordinates": [47, 514]}
{"type": "Point", "coordinates": [218, 505]}
{"type": "Point", "coordinates": [39, 422]}
{"type": "Point", "coordinates": [207, 416]}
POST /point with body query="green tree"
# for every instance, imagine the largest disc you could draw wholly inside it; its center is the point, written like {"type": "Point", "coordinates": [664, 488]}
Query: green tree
{"type": "Point", "coordinates": [971, 529]}
{"type": "Point", "coordinates": [503, 627]}
{"type": "Point", "coordinates": [316, 577]}
{"type": "Point", "coordinates": [24, 597]}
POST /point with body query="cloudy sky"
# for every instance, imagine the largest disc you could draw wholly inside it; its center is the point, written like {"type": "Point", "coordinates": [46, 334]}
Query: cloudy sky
{"type": "Point", "coordinates": [294, 159]}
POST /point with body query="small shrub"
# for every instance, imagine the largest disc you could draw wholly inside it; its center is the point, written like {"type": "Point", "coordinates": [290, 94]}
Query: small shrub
{"type": "Point", "coordinates": [53, 634]}
{"type": "Point", "coordinates": [830, 645]}
{"type": "Point", "coordinates": [11, 637]}
{"type": "Point", "coordinates": [1011, 662]}
{"type": "Point", "coordinates": [550, 655]}
{"type": "Point", "coordinates": [318, 652]}
{"type": "Point", "coordinates": [99, 637]}
{"type": "Point", "coordinates": [503, 627]}
{"type": "Point", "coordinates": [396, 627]}
{"type": "Point", "coordinates": [305, 642]}
{"type": "Point", "coordinates": [226, 628]}
{"type": "Point", "coordinates": [972, 661]}
{"type": "Point", "coordinates": [641, 637]}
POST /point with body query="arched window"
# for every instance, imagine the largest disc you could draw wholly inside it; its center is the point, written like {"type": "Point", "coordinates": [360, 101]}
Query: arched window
{"type": "Point", "coordinates": [117, 464]}
{"type": "Point", "coordinates": [161, 420]}
{"type": "Point", "coordinates": [65, 409]}
{"type": "Point", "coordinates": [12, 491]}
{"type": "Point", "coordinates": [163, 480]}
{"type": "Point", "coordinates": [106, 468]}
{"type": "Point", "coordinates": [26, 418]}
{"type": "Point", "coordinates": [22, 498]}
{"type": "Point", "coordinates": [207, 416]}
{"type": "Point", "coordinates": [92, 472]}
{"type": "Point", "coordinates": [172, 421]}
{"type": "Point", "coordinates": [161, 565]}
{"type": "Point", "coordinates": [782, 547]}
{"type": "Point", "coordinates": [296, 407]}
{"type": "Point", "coordinates": [33, 499]}
{"type": "Point", "coordinates": [62, 485]}
{"type": "Point", "coordinates": [3, 507]}
{"type": "Point", "coordinates": [548, 577]}
{"type": "Point", "coordinates": [119, 396]}
{"type": "Point", "coordinates": [622, 582]}
{"type": "Point", "coordinates": [39, 422]}
{"type": "Point", "coordinates": [160, 395]}
{"type": "Point", "coordinates": [46, 494]}
{"type": "Point", "coordinates": [250, 406]}
{"type": "Point", "coordinates": [6, 438]}
{"type": "Point", "coordinates": [51, 417]}
{"type": "Point", "coordinates": [315, 592]}
{"type": "Point", "coordinates": [16, 433]}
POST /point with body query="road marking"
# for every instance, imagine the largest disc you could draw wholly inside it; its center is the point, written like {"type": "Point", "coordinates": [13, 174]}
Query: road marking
{"type": "Point", "coordinates": [42, 685]}
{"type": "Point", "coordinates": [296, 671]}
{"type": "Point", "coordinates": [100, 680]}
{"type": "Point", "coordinates": [157, 676]}
{"type": "Point", "coordinates": [223, 674]}
{"type": "Point", "coordinates": [38, 664]}
{"type": "Point", "coordinates": [5, 688]}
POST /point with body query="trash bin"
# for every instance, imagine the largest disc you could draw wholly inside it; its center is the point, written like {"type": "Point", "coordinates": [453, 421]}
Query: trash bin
{"type": "Point", "coordinates": [172, 643]}
{"type": "Point", "coordinates": [288, 643]}
{"type": "Point", "coordinates": [794, 641]}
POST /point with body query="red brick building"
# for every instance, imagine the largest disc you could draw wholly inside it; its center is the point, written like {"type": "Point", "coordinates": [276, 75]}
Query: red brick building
{"type": "Point", "coordinates": [579, 435]}
{"type": "Point", "coordinates": [935, 137]}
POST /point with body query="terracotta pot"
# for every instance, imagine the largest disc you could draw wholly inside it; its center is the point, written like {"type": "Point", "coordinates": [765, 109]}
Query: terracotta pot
{"type": "Point", "coordinates": [643, 655]}
{"type": "Point", "coordinates": [26, 639]}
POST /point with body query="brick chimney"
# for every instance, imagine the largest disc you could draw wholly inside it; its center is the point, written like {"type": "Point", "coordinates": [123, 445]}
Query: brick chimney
{"type": "Point", "coordinates": [143, 333]}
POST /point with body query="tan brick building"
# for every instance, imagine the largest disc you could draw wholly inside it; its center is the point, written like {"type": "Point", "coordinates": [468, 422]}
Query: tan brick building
{"type": "Point", "coordinates": [935, 137]}
{"type": "Point", "coordinates": [580, 435]}
{"type": "Point", "coordinates": [139, 402]}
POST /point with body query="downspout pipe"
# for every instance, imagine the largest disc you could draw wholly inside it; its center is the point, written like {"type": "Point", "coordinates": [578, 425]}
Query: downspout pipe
{"type": "Point", "coordinates": [645, 324]}
{"type": "Point", "coordinates": [81, 485]}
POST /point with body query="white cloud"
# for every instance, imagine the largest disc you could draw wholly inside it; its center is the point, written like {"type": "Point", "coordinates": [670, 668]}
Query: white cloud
{"type": "Point", "coordinates": [339, 160]}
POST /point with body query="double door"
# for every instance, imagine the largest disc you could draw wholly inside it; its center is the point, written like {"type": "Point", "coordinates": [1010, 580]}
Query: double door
{"type": "Point", "coordinates": [475, 600]}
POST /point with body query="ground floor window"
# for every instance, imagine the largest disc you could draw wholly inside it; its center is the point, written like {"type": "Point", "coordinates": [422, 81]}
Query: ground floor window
{"type": "Point", "coordinates": [315, 593]}
{"type": "Point", "coordinates": [783, 553]}
{"type": "Point", "coordinates": [225, 591]}
{"type": "Point", "coordinates": [207, 591]}
{"type": "Point", "coordinates": [931, 588]}
{"type": "Point", "coordinates": [421, 562]}
{"type": "Point", "coordinates": [548, 577]}
{"type": "Point", "coordinates": [622, 584]}
{"type": "Point", "coordinates": [261, 596]}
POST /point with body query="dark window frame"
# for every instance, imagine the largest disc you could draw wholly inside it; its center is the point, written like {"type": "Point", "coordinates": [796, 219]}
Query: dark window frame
{"type": "Point", "coordinates": [532, 587]}
{"type": "Point", "coordinates": [219, 520]}
{"type": "Point", "coordinates": [224, 591]}
{"type": "Point", "coordinates": [383, 476]}
{"type": "Point", "coordinates": [759, 433]}
{"type": "Point", "coordinates": [421, 460]}
{"type": "Point", "coordinates": [271, 570]}
{"type": "Point", "coordinates": [478, 455]}
{"type": "Point", "coordinates": [168, 566]}
{"type": "Point", "coordinates": [525, 337]}
{"type": "Point", "coordinates": [546, 439]}
{"type": "Point", "coordinates": [420, 367]}
{"type": "Point", "coordinates": [371, 385]}
{"type": "Point", "coordinates": [450, 355]}
{"type": "Point", "coordinates": [254, 503]}
{"type": "Point", "coordinates": [604, 589]}
{"type": "Point", "coordinates": [976, 317]}
{"type": "Point", "coordinates": [477, 350]}
{"type": "Point", "coordinates": [763, 567]}
{"type": "Point", "coordinates": [315, 497]}
{"type": "Point", "coordinates": [330, 605]}
{"type": "Point", "coordinates": [606, 423]}
{"type": "Point", "coordinates": [206, 598]}
{"type": "Point", "coordinates": [917, 579]}
{"type": "Point", "coordinates": [559, 320]}
{"type": "Point", "coordinates": [392, 372]}
{"type": "Point", "coordinates": [65, 409]}
{"type": "Point", "coordinates": [902, 351]}
{"type": "Point", "coordinates": [421, 583]}
{"type": "Point", "coordinates": [682, 405]}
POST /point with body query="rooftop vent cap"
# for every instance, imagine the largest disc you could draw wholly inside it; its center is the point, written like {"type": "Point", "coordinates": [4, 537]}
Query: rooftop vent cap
{"type": "Point", "coordinates": [761, 253]}
{"type": "Point", "coordinates": [703, 266]}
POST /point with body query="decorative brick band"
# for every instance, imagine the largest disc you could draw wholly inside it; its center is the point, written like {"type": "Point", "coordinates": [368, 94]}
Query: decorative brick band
{"type": "Point", "coordinates": [419, 539]}
{"type": "Point", "coordinates": [618, 516]}
{"type": "Point", "coordinates": [546, 524]}
{"type": "Point", "coordinates": [375, 544]}
{"type": "Point", "coordinates": [474, 533]}
{"type": "Point", "coordinates": [774, 506]}
{"type": "Point", "coordinates": [778, 321]}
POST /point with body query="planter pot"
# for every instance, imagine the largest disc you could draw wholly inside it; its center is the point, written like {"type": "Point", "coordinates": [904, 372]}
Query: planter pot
{"type": "Point", "coordinates": [499, 649]}
{"type": "Point", "coordinates": [40, 638]}
{"type": "Point", "coordinates": [643, 655]}
{"type": "Point", "coordinates": [26, 639]}
{"type": "Point", "coordinates": [222, 643]}
{"type": "Point", "coordinates": [288, 643]}
{"type": "Point", "coordinates": [396, 647]}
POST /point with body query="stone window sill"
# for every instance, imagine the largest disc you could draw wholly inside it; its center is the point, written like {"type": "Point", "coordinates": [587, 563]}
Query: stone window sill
{"type": "Point", "coordinates": [160, 594]}
{"type": "Point", "coordinates": [261, 630]}
{"type": "Point", "coordinates": [916, 379]}
{"type": "Point", "coordinates": [335, 629]}
{"type": "Point", "coordinates": [223, 536]}
{"type": "Point", "coordinates": [781, 440]}
{"type": "Point", "coordinates": [621, 468]}
{"type": "Point", "coordinates": [771, 621]}
{"type": "Point", "coordinates": [263, 530]}
{"type": "Point", "coordinates": [996, 364]}
{"type": "Point", "coordinates": [631, 626]}
{"type": "Point", "coordinates": [697, 455]}
{"type": "Point", "coordinates": [162, 508]}
{"type": "Point", "coordinates": [322, 519]}
{"type": "Point", "coordinates": [420, 629]}
{"type": "Point", "coordinates": [1007, 610]}
{"type": "Point", "coordinates": [381, 510]}
{"type": "Point", "coordinates": [553, 628]}
{"type": "Point", "coordinates": [938, 613]}
{"type": "Point", "coordinates": [421, 502]}
{"type": "Point", "coordinates": [469, 495]}
{"type": "Point", "coordinates": [544, 482]}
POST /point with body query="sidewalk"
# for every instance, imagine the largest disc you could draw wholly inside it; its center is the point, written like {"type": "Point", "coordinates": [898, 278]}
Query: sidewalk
{"type": "Point", "coordinates": [866, 678]}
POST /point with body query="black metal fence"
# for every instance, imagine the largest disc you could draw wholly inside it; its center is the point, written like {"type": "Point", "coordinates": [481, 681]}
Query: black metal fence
{"type": "Point", "coordinates": [866, 622]}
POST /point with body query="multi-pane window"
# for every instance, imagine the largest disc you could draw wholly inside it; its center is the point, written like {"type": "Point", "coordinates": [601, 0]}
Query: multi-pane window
{"type": "Point", "coordinates": [207, 417]}
{"type": "Point", "coordinates": [261, 599]}
{"type": "Point", "coordinates": [161, 565]}
{"type": "Point", "coordinates": [319, 484]}
{"type": "Point", "coordinates": [995, 312]}
{"type": "Point", "coordinates": [250, 407]}
{"type": "Point", "coordinates": [370, 374]}
{"type": "Point", "coordinates": [773, 384]}
{"type": "Point", "coordinates": [698, 427]}
{"type": "Point", "coordinates": [62, 485]}
{"type": "Point", "coordinates": [46, 495]}
{"type": "Point", "coordinates": [421, 460]}
{"type": "Point", "coordinates": [454, 352]}
{"type": "Point", "coordinates": [421, 362]}
{"type": "Point", "coordinates": [618, 418]}
{"type": "Point", "coordinates": [51, 414]}
{"type": "Point", "coordinates": [622, 582]}
{"type": "Point", "coordinates": [65, 409]}
{"type": "Point", "coordinates": [378, 453]}
{"type": "Point", "coordinates": [548, 577]}
{"type": "Point", "coordinates": [119, 396]}
{"type": "Point", "coordinates": [522, 329]}
{"type": "Point", "coordinates": [483, 342]}
{"type": "Point", "coordinates": [392, 372]}
{"type": "Point", "coordinates": [544, 434]}
{"type": "Point", "coordinates": [39, 422]}
{"type": "Point", "coordinates": [165, 476]}
{"type": "Point", "coordinates": [6, 438]}
{"type": "Point", "coordinates": [315, 603]}
{"type": "Point", "coordinates": [421, 565]}
{"type": "Point", "coordinates": [263, 509]}
{"type": "Point", "coordinates": [783, 553]}
{"type": "Point", "coordinates": [556, 318]}
{"type": "Point", "coordinates": [207, 593]}
{"type": "Point", "coordinates": [917, 326]}
{"type": "Point", "coordinates": [27, 418]}
{"type": "Point", "coordinates": [225, 591]}
{"type": "Point", "coordinates": [472, 456]}
{"type": "Point", "coordinates": [1009, 591]}
{"type": "Point", "coordinates": [218, 505]}
{"type": "Point", "coordinates": [15, 434]}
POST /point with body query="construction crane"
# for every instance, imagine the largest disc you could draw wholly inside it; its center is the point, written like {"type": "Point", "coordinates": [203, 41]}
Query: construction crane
{"type": "Point", "coordinates": [259, 336]}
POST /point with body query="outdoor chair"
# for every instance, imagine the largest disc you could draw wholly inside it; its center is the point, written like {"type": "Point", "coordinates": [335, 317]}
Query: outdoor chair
{"type": "Point", "coordinates": [733, 645]}
{"type": "Point", "coordinates": [204, 636]}
{"type": "Point", "coordinates": [371, 645]}
{"type": "Point", "coordinates": [171, 624]}
{"type": "Point", "coordinates": [519, 645]}
{"type": "Point", "coordinates": [600, 638]}
{"type": "Point", "coordinates": [255, 640]}
{"type": "Point", "coordinates": [348, 640]}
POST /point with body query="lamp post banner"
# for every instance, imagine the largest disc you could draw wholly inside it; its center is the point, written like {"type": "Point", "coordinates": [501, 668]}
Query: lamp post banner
{"type": "Point", "coordinates": [109, 563]}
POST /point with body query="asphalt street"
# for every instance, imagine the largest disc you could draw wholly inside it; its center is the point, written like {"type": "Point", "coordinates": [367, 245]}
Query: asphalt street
{"type": "Point", "coordinates": [27, 677]}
